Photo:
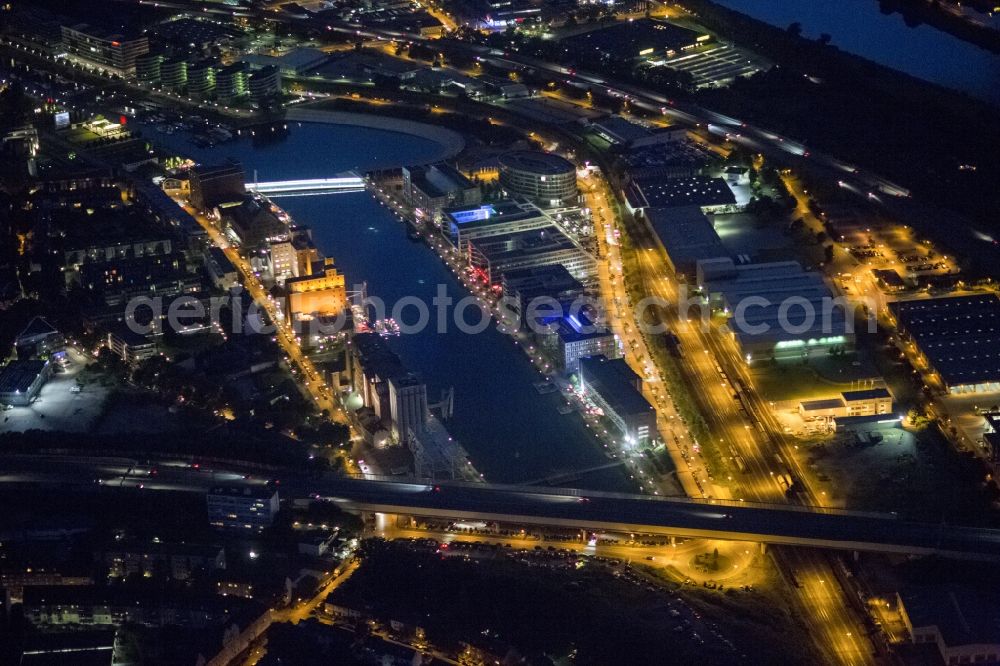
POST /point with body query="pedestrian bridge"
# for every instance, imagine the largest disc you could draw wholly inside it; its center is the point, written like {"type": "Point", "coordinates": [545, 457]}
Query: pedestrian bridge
{"type": "Point", "coordinates": [278, 187]}
{"type": "Point", "coordinates": [776, 524]}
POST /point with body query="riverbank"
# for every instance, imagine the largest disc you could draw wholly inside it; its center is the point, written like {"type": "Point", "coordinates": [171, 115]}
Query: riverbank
{"type": "Point", "coordinates": [915, 133]}
{"type": "Point", "coordinates": [451, 143]}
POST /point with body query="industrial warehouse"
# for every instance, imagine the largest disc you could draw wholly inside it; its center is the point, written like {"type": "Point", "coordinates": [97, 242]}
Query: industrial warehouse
{"type": "Point", "coordinates": [957, 338]}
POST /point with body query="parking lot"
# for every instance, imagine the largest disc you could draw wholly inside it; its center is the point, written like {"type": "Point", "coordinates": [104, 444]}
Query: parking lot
{"type": "Point", "coordinates": [64, 403]}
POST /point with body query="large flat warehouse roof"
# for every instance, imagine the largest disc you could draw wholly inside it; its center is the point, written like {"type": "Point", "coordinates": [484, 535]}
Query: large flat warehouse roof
{"type": "Point", "coordinates": [960, 335]}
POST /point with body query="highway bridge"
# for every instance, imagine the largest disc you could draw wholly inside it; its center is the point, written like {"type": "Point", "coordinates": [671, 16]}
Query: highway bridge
{"type": "Point", "coordinates": [309, 185]}
{"type": "Point", "coordinates": [775, 524]}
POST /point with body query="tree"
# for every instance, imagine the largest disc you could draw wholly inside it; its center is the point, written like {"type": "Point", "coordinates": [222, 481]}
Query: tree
{"type": "Point", "coordinates": [820, 237]}
{"type": "Point", "coordinates": [794, 29]}
{"type": "Point", "coordinates": [828, 253]}
{"type": "Point", "coordinates": [824, 39]}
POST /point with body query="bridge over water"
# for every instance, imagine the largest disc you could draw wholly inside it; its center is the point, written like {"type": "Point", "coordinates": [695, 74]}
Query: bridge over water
{"type": "Point", "coordinates": [307, 186]}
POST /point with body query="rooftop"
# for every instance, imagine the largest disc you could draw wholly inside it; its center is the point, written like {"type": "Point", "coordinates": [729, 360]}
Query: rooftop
{"type": "Point", "coordinates": [491, 213]}
{"type": "Point", "coordinates": [652, 192]}
{"type": "Point", "coordinates": [960, 336]}
{"type": "Point", "coordinates": [687, 235]}
{"type": "Point", "coordinates": [635, 38]}
{"type": "Point", "coordinates": [537, 162]}
{"type": "Point", "coordinates": [962, 615]}
{"type": "Point", "coordinates": [616, 382]}
{"type": "Point", "coordinates": [820, 405]}
{"type": "Point", "coordinates": [866, 394]}
{"type": "Point", "coordinates": [18, 376]}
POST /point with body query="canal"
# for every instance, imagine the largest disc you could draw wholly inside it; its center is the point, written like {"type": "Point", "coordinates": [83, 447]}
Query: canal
{"type": "Point", "coordinates": [860, 27]}
{"type": "Point", "coordinates": [512, 433]}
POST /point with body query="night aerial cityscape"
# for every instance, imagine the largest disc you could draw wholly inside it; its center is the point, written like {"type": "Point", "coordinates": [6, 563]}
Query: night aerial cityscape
{"type": "Point", "coordinates": [499, 332]}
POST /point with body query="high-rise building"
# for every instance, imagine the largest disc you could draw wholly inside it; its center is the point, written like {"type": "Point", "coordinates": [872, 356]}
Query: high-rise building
{"type": "Point", "coordinates": [107, 50]}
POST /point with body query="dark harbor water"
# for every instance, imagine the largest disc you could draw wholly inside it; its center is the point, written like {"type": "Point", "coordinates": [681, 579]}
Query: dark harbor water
{"type": "Point", "coordinates": [860, 27]}
{"type": "Point", "coordinates": [512, 433]}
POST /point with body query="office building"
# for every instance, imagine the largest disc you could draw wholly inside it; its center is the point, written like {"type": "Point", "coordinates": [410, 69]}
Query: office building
{"type": "Point", "coordinates": [572, 336]}
{"type": "Point", "coordinates": [323, 293]}
{"type": "Point", "coordinates": [612, 386]}
{"type": "Point", "coordinates": [850, 404]}
{"type": "Point", "coordinates": [467, 223]}
{"type": "Point", "coordinates": [492, 256]}
{"type": "Point", "coordinates": [541, 286]}
{"type": "Point", "coordinates": [242, 507]}
{"type": "Point", "coordinates": [106, 50]}
{"type": "Point", "coordinates": [546, 179]}
{"type": "Point", "coordinates": [21, 380]}
{"type": "Point", "coordinates": [957, 337]}
{"type": "Point", "coordinates": [213, 185]}
{"type": "Point", "coordinates": [430, 189]}
{"type": "Point", "coordinates": [777, 310]}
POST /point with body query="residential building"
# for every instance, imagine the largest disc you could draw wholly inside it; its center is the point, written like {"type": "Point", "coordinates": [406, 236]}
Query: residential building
{"type": "Point", "coordinates": [245, 507]}
{"type": "Point", "coordinates": [131, 347]}
{"type": "Point", "coordinates": [265, 85]}
{"type": "Point", "coordinates": [201, 80]}
{"type": "Point", "coordinates": [174, 74]}
{"type": "Point", "coordinates": [220, 269]}
{"type": "Point", "coordinates": [232, 82]}
{"type": "Point", "coordinates": [179, 561]}
{"type": "Point", "coordinates": [148, 68]}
